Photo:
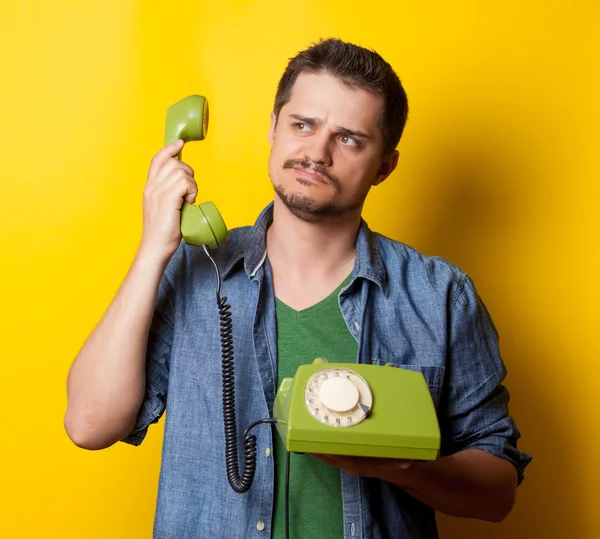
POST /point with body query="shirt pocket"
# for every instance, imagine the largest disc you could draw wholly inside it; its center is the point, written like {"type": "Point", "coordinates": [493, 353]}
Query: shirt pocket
{"type": "Point", "coordinates": [433, 374]}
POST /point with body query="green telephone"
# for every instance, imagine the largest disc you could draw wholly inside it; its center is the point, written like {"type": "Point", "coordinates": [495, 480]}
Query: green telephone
{"type": "Point", "coordinates": [188, 120]}
{"type": "Point", "coordinates": [334, 409]}
{"type": "Point", "coordinates": [337, 408]}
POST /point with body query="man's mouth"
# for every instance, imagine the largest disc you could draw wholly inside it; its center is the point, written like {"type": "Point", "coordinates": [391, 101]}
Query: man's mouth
{"type": "Point", "coordinates": [311, 175]}
{"type": "Point", "coordinates": [315, 173]}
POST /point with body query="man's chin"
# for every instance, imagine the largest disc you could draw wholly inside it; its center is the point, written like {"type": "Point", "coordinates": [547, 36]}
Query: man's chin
{"type": "Point", "coordinates": [303, 206]}
{"type": "Point", "coordinates": [311, 208]}
{"type": "Point", "coordinates": [312, 211]}
{"type": "Point", "coordinates": [309, 212]}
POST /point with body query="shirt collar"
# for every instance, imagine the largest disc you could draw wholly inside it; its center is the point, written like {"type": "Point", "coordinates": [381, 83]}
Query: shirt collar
{"type": "Point", "coordinates": [252, 249]}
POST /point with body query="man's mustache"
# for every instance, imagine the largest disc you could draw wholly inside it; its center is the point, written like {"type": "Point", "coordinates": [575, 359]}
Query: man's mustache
{"type": "Point", "coordinates": [309, 166]}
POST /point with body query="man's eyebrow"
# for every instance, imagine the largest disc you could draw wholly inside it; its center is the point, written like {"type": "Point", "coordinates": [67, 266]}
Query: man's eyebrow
{"type": "Point", "coordinates": [306, 119]}
{"type": "Point", "coordinates": [341, 130]}
{"type": "Point", "coordinates": [352, 132]}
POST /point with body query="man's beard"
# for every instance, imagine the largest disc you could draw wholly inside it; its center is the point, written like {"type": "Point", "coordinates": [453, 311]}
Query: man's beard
{"type": "Point", "coordinates": [307, 209]}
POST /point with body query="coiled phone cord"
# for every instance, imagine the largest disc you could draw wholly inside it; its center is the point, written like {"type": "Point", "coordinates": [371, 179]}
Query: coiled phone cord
{"type": "Point", "coordinates": [239, 484]}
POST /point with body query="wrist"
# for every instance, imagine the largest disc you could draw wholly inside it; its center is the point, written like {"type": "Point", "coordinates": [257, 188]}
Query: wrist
{"type": "Point", "coordinates": [150, 261]}
{"type": "Point", "coordinates": [151, 256]}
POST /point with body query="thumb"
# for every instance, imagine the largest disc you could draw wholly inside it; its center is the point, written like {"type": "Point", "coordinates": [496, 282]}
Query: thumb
{"type": "Point", "coordinates": [177, 146]}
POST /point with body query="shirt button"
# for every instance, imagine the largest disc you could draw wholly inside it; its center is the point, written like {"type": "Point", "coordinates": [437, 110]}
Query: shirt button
{"type": "Point", "coordinates": [260, 525]}
{"type": "Point", "coordinates": [356, 326]}
{"type": "Point", "coordinates": [268, 452]}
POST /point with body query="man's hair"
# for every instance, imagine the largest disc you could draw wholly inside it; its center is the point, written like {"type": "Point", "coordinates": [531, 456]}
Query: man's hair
{"type": "Point", "coordinates": [356, 67]}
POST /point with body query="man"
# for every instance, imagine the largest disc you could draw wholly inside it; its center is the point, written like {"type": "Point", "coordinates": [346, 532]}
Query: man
{"type": "Point", "coordinates": [308, 279]}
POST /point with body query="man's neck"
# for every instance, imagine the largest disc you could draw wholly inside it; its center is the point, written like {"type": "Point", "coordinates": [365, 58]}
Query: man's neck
{"type": "Point", "coordinates": [309, 260]}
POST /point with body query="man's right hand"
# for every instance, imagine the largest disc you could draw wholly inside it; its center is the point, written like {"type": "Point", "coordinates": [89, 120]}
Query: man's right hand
{"type": "Point", "coordinates": [170, 181]}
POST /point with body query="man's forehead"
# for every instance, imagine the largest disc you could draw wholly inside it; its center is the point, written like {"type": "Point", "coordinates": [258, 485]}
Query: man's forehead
{"type": "Point", "coordinates": [318, 95]}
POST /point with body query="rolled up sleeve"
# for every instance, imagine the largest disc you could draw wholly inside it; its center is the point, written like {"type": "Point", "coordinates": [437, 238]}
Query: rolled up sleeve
{"type": "Point", "coordinates": [474, 407]}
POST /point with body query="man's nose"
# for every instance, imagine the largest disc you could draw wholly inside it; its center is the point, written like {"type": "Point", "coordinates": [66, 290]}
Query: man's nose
{"type": "Point", "coordinates": [318, 149]}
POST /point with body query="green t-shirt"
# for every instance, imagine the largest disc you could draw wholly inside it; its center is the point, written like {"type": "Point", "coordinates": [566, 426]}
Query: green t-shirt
{"type": "Point", "coordinates": [315, 498]}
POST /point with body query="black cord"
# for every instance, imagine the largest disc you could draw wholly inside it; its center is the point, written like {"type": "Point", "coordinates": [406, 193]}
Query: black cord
{"type": "Point", "coordinates": [238, 483]}
{"type": "Point", "coordinates": [287, 495]}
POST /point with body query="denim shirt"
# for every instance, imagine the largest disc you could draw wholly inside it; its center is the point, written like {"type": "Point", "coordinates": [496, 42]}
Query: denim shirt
{"type": "Point", "coordinates": [402, 307]}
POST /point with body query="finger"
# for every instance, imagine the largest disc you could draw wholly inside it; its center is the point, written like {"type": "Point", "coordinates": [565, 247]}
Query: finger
{"type": "Point", "coordinates": [177, 176]}
{"type": "Point", "coordinates": [177, 187]}
{"type": "Point", "coordinates": [170, 167]}
{"type": "Point", "coordinates": [191, 192]}
{"type": "Point", "coordinates": [170, 150]}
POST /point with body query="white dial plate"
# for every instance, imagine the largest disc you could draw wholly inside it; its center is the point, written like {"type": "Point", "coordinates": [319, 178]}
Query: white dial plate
{"type": "Point", "coordinates": [338, 397]}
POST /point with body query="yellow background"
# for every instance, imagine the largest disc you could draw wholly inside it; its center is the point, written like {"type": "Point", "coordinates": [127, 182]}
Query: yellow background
{"type": "Point", "coordinates": [498, 173]}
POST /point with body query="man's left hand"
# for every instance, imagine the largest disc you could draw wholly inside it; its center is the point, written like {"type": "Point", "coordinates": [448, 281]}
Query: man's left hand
{"type": "Point", "coordinates": [379, 468]}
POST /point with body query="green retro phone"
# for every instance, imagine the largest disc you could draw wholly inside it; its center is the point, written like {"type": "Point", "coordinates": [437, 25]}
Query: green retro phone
{"type": "Point", "coordinates": [188, 120]}
{"type": "Point", "coordinates": [358, 410]}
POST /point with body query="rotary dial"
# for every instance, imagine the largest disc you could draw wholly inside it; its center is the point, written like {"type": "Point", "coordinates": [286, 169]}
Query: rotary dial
{"type": "Point", "coordinates": [338, 397]}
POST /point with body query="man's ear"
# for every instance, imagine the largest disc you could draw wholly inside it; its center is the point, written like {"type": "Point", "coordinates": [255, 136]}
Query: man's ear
{"type": "Point", "coordinates": [272, 128]}
{"type": "Point", "coordinates": [387, 167]}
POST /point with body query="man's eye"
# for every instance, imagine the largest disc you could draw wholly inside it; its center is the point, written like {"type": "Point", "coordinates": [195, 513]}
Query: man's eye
{"type": "Point", "coordinates": [349, 141]}
{"type": "Point", "coordinates": [301, 126]}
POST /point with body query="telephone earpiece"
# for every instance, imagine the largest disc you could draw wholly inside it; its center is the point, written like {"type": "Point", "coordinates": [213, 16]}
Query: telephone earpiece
{"type": "Point", "coordinates": [188, 120]}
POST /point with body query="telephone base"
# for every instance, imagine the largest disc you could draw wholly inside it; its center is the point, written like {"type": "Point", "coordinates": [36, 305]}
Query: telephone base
{"type": "Point", "coordinates": [400, 423]}
{"type": "Point", "coordinates": [313, 448]}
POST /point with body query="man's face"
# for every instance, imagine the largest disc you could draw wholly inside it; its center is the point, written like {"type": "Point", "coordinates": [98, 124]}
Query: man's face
{"type": "Point", "coordinates": [326, 148]}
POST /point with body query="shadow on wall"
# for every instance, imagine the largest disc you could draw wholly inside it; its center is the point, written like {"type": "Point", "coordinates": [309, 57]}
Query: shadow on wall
{"type": "Point", "coordinates": [477, 207]}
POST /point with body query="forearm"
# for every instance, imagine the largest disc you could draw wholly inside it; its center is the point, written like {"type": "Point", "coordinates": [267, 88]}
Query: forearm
{"type": "Point", "coordinates": [471, 483]}
{"type": "Point", "coordinates": [106, 382]}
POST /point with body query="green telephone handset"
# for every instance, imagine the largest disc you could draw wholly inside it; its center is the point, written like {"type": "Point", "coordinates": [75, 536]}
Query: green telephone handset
{"type": "Point", "coordinates": [188, 120]}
